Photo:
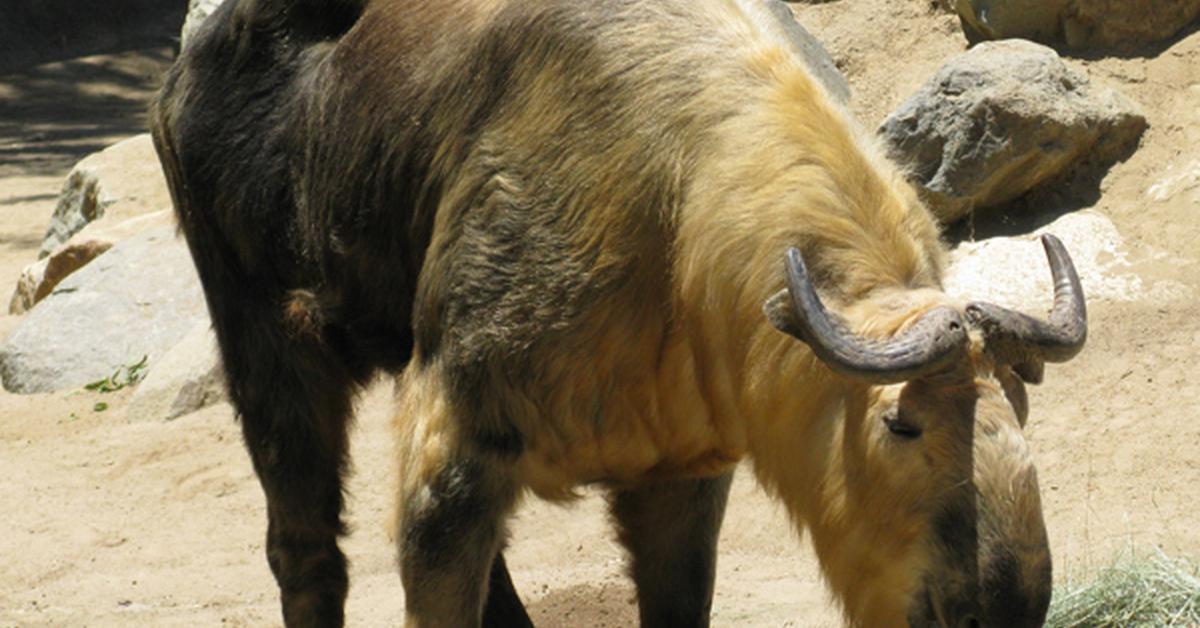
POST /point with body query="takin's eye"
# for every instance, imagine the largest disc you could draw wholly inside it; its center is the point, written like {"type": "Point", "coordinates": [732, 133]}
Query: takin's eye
{"type": "Point", "coordinates": [898, 425]}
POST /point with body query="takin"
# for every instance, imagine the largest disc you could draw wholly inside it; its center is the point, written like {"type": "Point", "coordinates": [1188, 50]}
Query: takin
{"type": "Point", "coordinates": [625, 243]}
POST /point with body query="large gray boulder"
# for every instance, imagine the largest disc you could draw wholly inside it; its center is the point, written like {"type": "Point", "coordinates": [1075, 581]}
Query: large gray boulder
{"type": "Point", "coordinates": [1001, 119]}
{"type": "Point", "coordinates": [38, 279]}
{"type": "Point", "coordinates": [138, 299]}
{"type": "Point", "coordinates": [107, 197]}
{"type": "Point", "coordinates": [120, 182]}
{"type": "Point", "coordinates": [187, 378]}
{"type": "Point", "coordinates": [1079, 24]}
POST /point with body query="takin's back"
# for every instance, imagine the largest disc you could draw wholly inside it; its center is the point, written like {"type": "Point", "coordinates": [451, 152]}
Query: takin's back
{"type": "Point", "coordinates": [318, 145]}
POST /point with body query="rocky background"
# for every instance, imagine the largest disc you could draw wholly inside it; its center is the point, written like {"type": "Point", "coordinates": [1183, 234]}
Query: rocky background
{"type": "Point", "coordinates": [130, 501]}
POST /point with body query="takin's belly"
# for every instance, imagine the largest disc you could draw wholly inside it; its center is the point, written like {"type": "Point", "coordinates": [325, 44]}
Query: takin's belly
{"type": "Point", "coordinates": [553, 469]}
{"type": "Point", "coordinates": [612, 414]}
{"type": "Point", "coordinates": [626, 430]}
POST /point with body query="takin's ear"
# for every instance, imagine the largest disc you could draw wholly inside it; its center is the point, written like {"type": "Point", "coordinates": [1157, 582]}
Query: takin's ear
{"type": "Point", "coordinates": [782, 315]}
{"type": "Point", "coordinates": [1014, 389]}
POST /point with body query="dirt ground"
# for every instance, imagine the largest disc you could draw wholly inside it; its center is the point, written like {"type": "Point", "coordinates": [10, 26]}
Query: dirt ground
{"type": "Point", "coordinates": [114, 523]}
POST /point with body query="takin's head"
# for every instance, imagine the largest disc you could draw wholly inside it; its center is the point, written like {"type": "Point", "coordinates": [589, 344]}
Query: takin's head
{"type": "Point", "coordinates": [930, 508]}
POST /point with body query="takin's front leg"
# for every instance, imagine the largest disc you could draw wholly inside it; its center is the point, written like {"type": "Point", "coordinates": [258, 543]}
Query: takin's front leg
{"type": "Point", "coordinates": [670, 529]}
{"type": "Point", "coordinates": [456, 491]}
{"type": "Point", "coordinates": [503, 608]}
{"type": "Point", "coordinates": [450, 534]}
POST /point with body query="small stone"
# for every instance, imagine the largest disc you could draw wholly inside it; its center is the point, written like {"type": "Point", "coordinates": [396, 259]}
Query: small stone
{"type": "Point", "coordinates": [187, 378]}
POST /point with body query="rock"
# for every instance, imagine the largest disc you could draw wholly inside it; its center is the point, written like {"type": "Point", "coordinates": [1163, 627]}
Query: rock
{"type": "Point", "coordinates": [1175, 181]}
{"type": "Point", "coordinates": [24, 296]}
{"type": "Point", "coordinates": [1079, 24]}
{"type": "Point", "coordinates": [112, 228]}
{"type": "Point", "coordinates": [108, 197]}
{"type": "Point", "coordinates": [1013, 272]}
{"type": "Point", "coordinates": [187, 378]}
{"type": "Point", "coordinates": [818, 59]}
{"type": "Point", "coordinates": [79, 203]}
{"type": "Point", "coordinates": [138, 299]}
{"type": "Point", "coordinates": [39, 278]}
{"type": "Point", "coordinates": [1126, 24]}
{"type": "Point", "coordinates": [198, 11]}
{"type": "Point", "coordinates": [1002, 119]}
{"type": "Point", "coordinates": [117, 183]}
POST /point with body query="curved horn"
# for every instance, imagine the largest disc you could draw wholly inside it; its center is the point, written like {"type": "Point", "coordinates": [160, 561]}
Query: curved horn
{"type": "Point", "coordinates": [1020, 339]}
{"type": "Point", "coordinates": [929, 345]}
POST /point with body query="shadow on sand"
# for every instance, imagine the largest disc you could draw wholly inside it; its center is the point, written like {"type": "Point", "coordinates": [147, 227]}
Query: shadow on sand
{"type": "Point", "coordinates": [54, 114]}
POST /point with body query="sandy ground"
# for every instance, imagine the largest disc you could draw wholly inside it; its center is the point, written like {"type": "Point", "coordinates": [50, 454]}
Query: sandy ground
{"type": "Point", "coordinates": [113, 523]}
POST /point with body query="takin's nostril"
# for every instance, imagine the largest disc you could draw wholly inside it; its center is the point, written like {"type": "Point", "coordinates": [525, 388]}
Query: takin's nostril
{"type": "Point", "coordinates": [969, 622]}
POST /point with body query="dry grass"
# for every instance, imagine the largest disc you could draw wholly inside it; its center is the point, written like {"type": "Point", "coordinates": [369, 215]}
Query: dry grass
{"type": "Point", "coordinates": [1156, 591]}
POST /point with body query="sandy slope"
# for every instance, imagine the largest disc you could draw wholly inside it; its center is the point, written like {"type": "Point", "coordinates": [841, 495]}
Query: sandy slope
{"type": "Point", "coordinates": [114, 523]}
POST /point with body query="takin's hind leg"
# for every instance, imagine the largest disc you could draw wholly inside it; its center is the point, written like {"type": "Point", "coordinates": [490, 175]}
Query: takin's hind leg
{"type": "Point", "coordinates": [670, 529]}
{"type": "Point", "coordinates": [293, 394]}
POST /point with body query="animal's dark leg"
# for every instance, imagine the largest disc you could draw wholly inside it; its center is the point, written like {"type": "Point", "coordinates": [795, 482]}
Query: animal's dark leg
{"type": "Point", "coordinates": [670, 529]}
{"type": "Point", "coordinates": [451, 530]}
{"type": "Point", "coordinates": [293, 395]}
{"type": "Point", "coordinates": [503, 608]}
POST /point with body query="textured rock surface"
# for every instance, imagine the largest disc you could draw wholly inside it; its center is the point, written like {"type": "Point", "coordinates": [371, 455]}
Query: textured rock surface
{"type": "Point", "coordinates": [138, 299]}
{"type": "Point", "coordinates": [40, 277]}
{"type": "Point", "coordinates": [81, 201]}
{"type": "Point", "coordinates": [1080, 24]}
{"type": "Point", "coordinates": [1001, 119]}
{"type": "Point", "coordinates": [1013, 272]}
{"type": "Point", "coordinates": [115, 184]}
{"type": "Point", "coordinates": [186, 379]}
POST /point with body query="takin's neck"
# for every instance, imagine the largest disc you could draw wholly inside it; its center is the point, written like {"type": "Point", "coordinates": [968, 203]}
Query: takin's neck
{"type": "Point", "coordinates": [795, 172]}
{"type": "Point", "coordinates": [792, 169]}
